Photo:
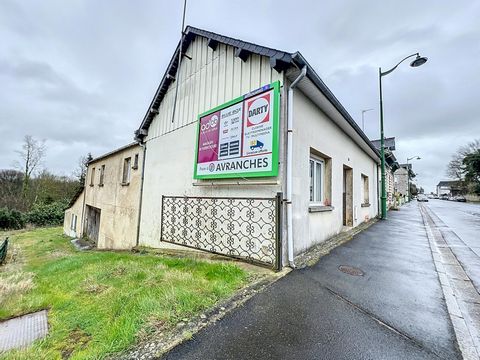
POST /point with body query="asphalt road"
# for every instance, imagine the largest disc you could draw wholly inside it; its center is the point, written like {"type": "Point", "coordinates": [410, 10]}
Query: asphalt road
{"type": "Point", "coordinates": [395, 310]}
{"type": "Point", "coordinates": [460, 226]}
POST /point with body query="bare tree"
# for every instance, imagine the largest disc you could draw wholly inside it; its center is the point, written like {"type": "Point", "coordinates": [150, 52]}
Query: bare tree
{"type": "Point", "coordinates": [31, 158]}
{"type": "Point", "coordinates": [81, 171]}
{"type": "Point", "coordinates": [455, 166]}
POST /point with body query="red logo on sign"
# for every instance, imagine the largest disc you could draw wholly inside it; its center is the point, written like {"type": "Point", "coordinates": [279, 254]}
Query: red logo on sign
{"type": "Point", "coordinates": [258, 110]}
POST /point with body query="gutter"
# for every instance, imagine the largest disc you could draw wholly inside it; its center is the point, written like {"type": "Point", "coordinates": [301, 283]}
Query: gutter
{"type": "Point", "coordinates": [144, 146]}
{"type": "Point", "coordinates": [290, 248]}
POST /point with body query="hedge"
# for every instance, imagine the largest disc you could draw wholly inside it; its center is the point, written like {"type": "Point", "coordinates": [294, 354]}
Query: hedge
{"type": "Point", "coordinates": [11, 219]}
{"type": "Point", "coordinates": [40, 215]}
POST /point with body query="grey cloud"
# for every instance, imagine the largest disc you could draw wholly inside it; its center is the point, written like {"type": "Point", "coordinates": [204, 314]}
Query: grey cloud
{"type": "Point", "coordinates": [81, 74]}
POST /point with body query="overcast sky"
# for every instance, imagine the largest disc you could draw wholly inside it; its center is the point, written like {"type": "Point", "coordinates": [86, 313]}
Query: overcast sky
{"type": "Point", "coordinates": [81, 74]}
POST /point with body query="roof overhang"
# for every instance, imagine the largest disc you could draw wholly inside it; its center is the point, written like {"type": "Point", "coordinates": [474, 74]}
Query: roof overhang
{"type": "Point", "coordinates": [312, 86]}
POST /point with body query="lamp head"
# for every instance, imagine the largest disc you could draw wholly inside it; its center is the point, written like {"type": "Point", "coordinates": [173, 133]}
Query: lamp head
{"type": "Point", "coordinates": [419, 61]}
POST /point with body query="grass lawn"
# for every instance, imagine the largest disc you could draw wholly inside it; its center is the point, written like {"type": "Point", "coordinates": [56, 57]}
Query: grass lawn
{"type": "Point", "coordinates": [103, 302]}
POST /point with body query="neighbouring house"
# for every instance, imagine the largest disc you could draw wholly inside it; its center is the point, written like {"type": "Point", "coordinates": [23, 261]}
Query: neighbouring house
{"type": "Point", "coordinates": [72, 224]}
{"type": "Point", "coordinates": [247, 154]}
{"type": "Point", "coordinates": [450, 187]}
{"type": "Point", "coordinates": [107, 210]}
{"type": "Point", "coordinates": [391, 165]}
{"type": "Point", "coordinates": [403, 176]}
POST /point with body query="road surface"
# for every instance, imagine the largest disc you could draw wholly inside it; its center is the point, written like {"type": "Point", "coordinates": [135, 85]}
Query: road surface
{"type": "Point", "coordinates": [396, 310]}
{"type": "Point", "coordinates": [460, 225]}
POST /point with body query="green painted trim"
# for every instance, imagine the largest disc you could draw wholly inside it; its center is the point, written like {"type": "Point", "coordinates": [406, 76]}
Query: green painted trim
{"type": "Point", "coordinates": [275, 141]}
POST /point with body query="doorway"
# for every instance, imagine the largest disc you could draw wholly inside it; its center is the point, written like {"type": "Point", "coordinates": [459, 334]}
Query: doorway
{"type": "Point", "coordinates": [92, 227]}
{"type": "Point", "coordinates": [347, 196]}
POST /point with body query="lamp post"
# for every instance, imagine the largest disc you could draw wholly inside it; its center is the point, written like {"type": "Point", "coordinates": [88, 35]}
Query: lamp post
{"type": "Point", "coordinates": [363, 118]}
{"type": "Point", "coordinates": [419, 60]}
{"type": "Point", "coordinates": [408, 175]}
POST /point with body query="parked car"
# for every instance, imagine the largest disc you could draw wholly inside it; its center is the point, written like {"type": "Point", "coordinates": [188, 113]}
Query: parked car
{"type": "Point", "coordinates": [422, 197]}
{"type": "Point", "coordinates": [444, 197]}
{"type": "Point", "coordinates": [435, 196]}
{"type": "Point", "coordinates": [460, 198]}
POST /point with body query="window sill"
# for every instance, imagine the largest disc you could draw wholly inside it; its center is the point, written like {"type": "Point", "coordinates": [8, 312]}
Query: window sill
{"type": "Point", "coordinates": [365, 205]}
{"type": "Point", "coordinates": [319, 208]}
{"type": "Point", "coordinates": [125, 183]}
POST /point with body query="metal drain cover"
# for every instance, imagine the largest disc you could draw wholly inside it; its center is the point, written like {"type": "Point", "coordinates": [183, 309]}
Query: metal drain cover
{"type": "Point", "coordinates": [350, 270]}
{"type": "Point", "coordinates": [23, 330]}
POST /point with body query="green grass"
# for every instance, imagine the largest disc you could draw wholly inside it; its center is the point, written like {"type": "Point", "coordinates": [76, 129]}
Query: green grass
{"type": "Point", "coordinates": [104, 302]}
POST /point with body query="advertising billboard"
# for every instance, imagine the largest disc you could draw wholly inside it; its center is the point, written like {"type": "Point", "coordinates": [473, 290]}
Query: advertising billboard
{"type": "Point", "coordinates": [239, 139]}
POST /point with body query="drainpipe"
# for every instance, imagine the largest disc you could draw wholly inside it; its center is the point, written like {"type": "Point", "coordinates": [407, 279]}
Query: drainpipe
{"type": "Point", "coordinates": [290, 166]}
{"type": "Point", "coordinates": [144, 146]}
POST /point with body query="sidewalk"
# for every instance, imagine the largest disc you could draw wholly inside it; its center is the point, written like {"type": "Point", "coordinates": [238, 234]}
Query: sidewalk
{"type": "Point", "coordinates": [395, 310]}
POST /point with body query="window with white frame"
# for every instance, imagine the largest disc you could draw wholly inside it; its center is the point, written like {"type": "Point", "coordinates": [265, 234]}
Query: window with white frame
{"type": "Point", "coordinates": [317, 172]}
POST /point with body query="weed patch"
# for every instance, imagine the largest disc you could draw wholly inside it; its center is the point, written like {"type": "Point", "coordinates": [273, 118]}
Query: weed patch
{"type": "Point", "coordinates": [101, 303]}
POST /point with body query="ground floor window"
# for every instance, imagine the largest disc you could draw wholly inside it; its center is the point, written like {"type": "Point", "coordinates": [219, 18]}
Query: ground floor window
{"type": "Point", "coordinates": [73, 222]}
{"type": "Point", "coordinates": [365, 189]}
{"type": "Point", "coordinates": [317, 171]}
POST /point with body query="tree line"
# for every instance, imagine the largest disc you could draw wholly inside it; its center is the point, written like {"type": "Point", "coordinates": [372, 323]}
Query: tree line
{"type": "Point", "coordinates": [31, 194]}
{"type": "Point", "coordinates": [465, 167]}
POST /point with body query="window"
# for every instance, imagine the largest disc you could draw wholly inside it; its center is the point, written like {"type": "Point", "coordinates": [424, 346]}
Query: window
{"type": "Point", "coordinates": [135, 162]}
{"type": "Point", "coordinates": [317, 171]}
{"type": "Point", "coordinates": [365, 189]}
{"type": "Point", "coordinates": [92, 177]}
{"type": "Point", "coordinates": [73, 223]}
{"type": "Point", "coordinates": [126, 170]}
{"type": "Point", "coordinates": [102, 175]}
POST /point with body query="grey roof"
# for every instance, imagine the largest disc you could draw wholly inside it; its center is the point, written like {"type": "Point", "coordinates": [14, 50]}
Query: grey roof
{"type": "Point", "coordinates": [113, 152]}
{"type": "Point", "coordinates": [388, 144]}
{"type": "Point", "coordinates": [76, 196]}
{"type": "Point", "coordinates": [449, 183]}
{"type": "Point", "coordinates": [279, 60]}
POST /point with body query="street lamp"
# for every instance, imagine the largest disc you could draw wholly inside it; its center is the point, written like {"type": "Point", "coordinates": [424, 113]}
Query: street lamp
{"type": "Point", "coordinates": [363, 118]}
{"type": "Point", "coordinates": [408, 175]}
{"type": "Point", "coordinates": [419, 60]}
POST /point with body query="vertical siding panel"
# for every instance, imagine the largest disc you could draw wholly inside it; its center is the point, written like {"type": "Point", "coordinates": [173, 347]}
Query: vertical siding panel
{"type": "Point", "coordinates": [211, 78]}
{"type": "Point", "coordinates": [265, 74]}
{"type": "Point", "coordinates": [196, 80]}
{"type": "Point", "coordinates": [276, 76]}
{"type": "Point", "coordinates": [237, 76]}
{"type": "Point", "coordinates": [215, 79]}
{"type": "Point", "coordinates": [228, 72]}
{"type": "Point", "coordinates": [255, 72]}
{"type": "Point", "coordinates": [245, 78]}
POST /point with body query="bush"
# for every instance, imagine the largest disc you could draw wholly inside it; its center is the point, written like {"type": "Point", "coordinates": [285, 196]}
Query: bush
{"type": "Point", "coordinates": [11, 219]}
{"type": "Point", "coordinates": [47, 214]}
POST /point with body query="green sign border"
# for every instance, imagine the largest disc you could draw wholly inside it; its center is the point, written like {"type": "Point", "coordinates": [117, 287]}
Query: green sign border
{"type": "Point", "coordinates": [275, 141]}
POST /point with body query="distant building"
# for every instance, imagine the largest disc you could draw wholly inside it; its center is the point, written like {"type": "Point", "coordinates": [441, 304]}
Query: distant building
{"type": "Point", "coordinates": [452, 187]}
{"type": "Point", "coordinates": [391, 166]}
{"type": "Point", "coordinates": [402, 176]}
{"type": "Point", "coordinates": [106, 211]}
